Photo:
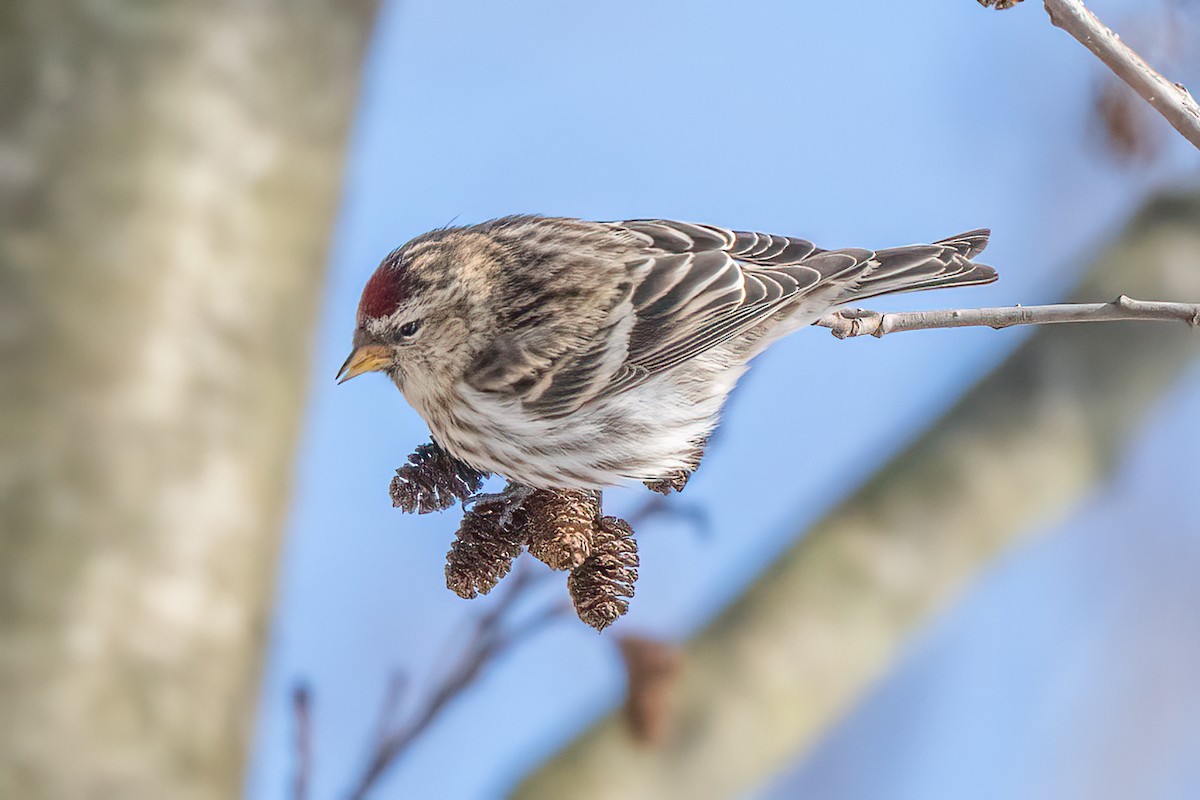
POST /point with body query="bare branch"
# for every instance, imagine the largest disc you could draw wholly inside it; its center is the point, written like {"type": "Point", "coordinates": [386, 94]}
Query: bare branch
{"type": "Point", "coordinates": [1171, 100]}
{"type": "Point", "coordinates": [857, 322]}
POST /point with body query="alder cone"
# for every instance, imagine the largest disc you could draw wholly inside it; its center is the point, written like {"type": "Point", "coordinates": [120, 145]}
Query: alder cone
{"type": "Point", "coordinates": [559, 526]}
{"type": "Point", "coordinates": [601, 586]}
{"type": "Point", "coordinates": [482, 553]}
{"type": "Point", "coordinates": [433, 480]}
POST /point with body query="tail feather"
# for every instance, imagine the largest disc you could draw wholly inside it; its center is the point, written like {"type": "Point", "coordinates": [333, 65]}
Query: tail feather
{"type": "Point", "coordinates": [969, 244]}
{"type": "Point", "coordinates": [943, 264]}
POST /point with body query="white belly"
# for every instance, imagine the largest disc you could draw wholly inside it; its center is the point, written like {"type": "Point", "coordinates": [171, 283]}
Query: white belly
{"type": "Point", "coordinates": [646, 433]}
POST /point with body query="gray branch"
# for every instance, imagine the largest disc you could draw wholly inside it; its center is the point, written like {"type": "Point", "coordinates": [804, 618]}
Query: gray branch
{"type": "Point", "coordinates": [850, 322]}
{"type": "Point", "coordinates": [1171, 100]}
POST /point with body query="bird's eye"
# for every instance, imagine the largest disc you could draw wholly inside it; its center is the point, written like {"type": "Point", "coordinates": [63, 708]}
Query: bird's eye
{"type": "Point", "coordinates": [409, 329]}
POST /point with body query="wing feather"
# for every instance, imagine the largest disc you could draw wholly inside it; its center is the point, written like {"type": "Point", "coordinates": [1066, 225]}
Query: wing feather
{"type": "Point", "coordinates": [694, 287]}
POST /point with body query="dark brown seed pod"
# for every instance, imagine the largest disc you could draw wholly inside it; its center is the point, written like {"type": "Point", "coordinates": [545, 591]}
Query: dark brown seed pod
{"type": "Point", "coordinates": [558, 526]}
{"type": "Point", "coordinates": [433, 480]}
{"type": "Point", "coordinates": [601, 585]}
{"type": "Point", "coordinates": [483, 551]}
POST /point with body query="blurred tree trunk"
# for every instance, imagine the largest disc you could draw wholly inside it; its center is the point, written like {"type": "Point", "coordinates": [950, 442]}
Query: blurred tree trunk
{"type": "Point", "coordinates": [792, 655]}
{"type": "Point", "coordinates": [169, 173]}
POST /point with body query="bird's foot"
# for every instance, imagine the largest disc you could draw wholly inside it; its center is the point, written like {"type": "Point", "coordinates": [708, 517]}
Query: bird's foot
{"type": "Point", "coordinates": [678, 479]}
{"type": "Point", "coordinates": [846, 323]}
{"type": "Point", "coordinates": [672, 483]}
{"type": "Point", "coordinates": [507, 503]}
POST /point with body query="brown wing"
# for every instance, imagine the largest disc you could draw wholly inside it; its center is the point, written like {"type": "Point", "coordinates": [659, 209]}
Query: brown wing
{"type": "Point", "coordinates": [715, 283]}
{"type": "Point", "coordinates": [693, 287]}
{"type": "Point", "coordinates": [710, 285]}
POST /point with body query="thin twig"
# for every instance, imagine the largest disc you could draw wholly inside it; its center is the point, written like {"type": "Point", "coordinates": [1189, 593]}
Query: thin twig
{"type": "Point", "coordinates": [857, 322]}
{"type": "Point", "coordinates": [397, 685]}
{"type": "Point", "coordinates": [302, 713]}
{"type": "Point", "coordinates": [1171, 100]}
{"type": "Point", "coordinates": [662, 505]}
{"type": "Point", "coordinates": [490, 638]}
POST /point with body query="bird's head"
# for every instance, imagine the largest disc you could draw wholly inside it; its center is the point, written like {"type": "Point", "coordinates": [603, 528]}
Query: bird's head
{"type": "Point", "coordinates": [416, 319]}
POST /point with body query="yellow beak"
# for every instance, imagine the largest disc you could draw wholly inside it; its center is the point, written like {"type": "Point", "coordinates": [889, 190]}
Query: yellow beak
{"type": "Point", "coordinates": [367, 358]}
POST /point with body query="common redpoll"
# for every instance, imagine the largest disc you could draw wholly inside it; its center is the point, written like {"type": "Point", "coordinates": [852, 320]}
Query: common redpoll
{"type": "Point", "coordinates": [562, 353]}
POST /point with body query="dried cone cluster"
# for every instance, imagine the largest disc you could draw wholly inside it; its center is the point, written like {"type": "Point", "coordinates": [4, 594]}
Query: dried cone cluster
{"type": "Point", "coordinates": [433, 480]}
{"type": "Point", "coordinates": [562, 528]}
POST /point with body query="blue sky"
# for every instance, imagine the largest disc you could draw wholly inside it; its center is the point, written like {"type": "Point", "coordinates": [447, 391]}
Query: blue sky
{"type": "Point", "coordinates": [869, 124]}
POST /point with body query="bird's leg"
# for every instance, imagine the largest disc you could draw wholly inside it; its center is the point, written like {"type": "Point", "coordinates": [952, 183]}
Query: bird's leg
{"type": "Point", "coordinates": [678, 479]}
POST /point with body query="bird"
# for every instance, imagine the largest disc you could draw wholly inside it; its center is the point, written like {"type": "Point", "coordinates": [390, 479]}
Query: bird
{"type": "Point", "coordinates": [563, 353]}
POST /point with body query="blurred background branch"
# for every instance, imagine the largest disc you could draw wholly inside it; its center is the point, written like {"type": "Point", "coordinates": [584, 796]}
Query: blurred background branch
{"type": "Point", "coordinates": [493, 633]}
{"type": "Point", "coordinates": [168, 181]}
{"type": "Point", "coordinates": [302, 777]}
{"type": "Point", "coordinates": [793, 655]}
{"type": "Point", "coordinates": [1171, 100]}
